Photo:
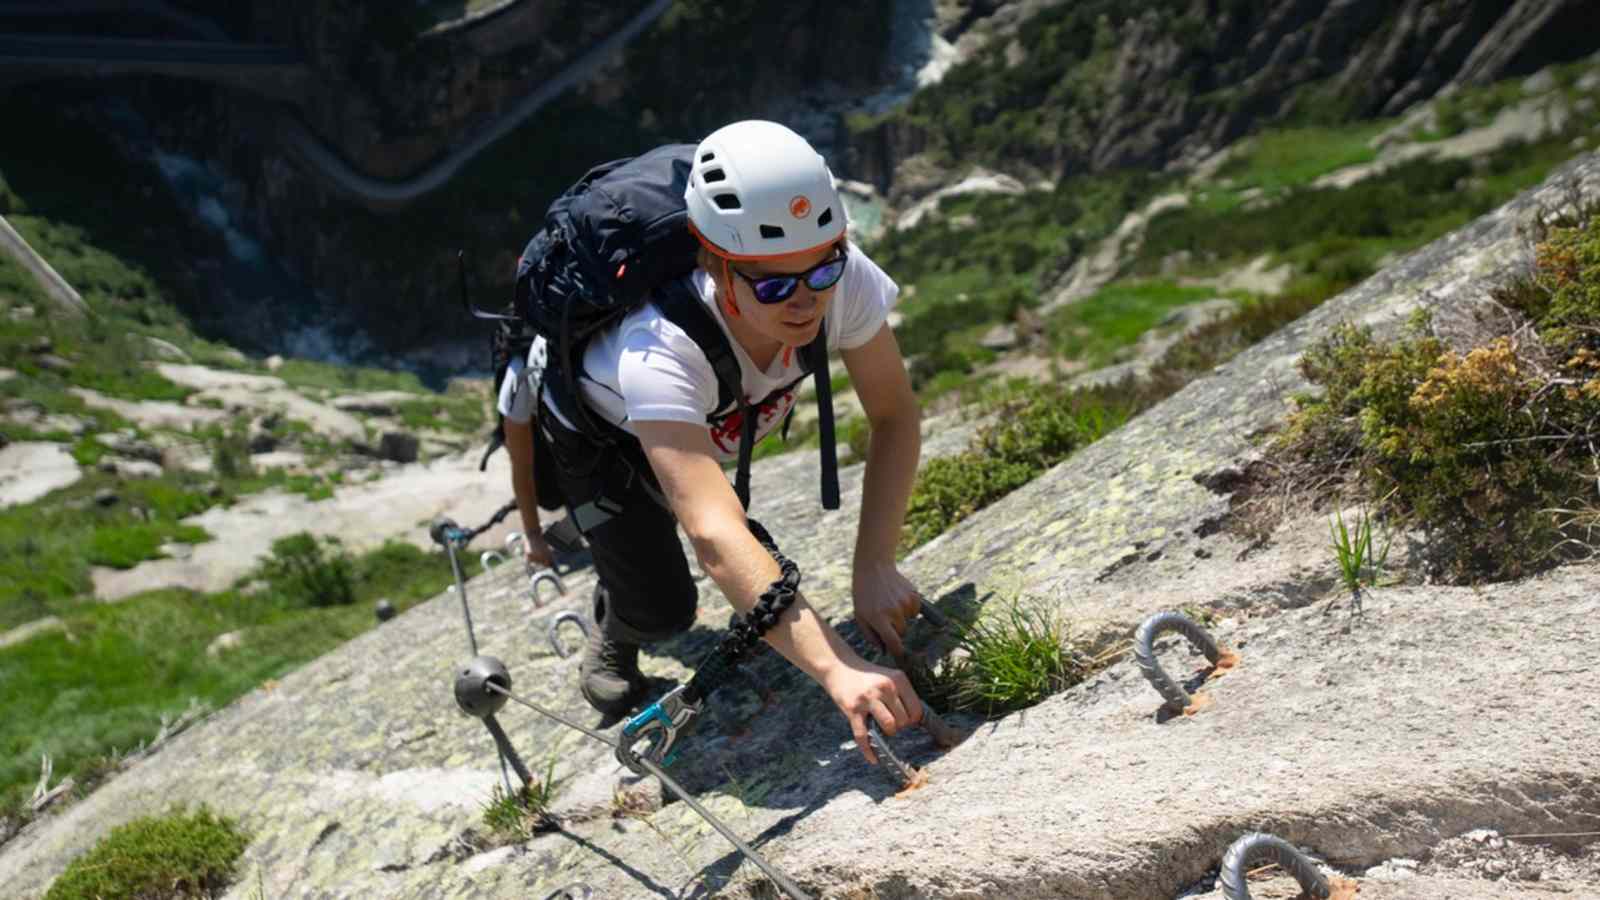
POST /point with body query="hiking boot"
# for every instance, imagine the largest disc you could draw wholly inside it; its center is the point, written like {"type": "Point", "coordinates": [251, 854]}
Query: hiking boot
{"type": "Point", "coordinates": [609, 675]}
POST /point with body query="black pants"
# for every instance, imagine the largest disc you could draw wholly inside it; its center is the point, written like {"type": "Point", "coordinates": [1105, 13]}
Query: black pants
{"type": "Point", "coordinates": [646, 591]}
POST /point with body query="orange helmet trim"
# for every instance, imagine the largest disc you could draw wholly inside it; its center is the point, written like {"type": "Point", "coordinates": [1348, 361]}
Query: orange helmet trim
{"type": "Point", "coordinates": [755, 257]}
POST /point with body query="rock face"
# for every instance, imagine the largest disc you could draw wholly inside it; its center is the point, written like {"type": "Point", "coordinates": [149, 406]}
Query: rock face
{"type": "Point", "coordinates": [1366, 740]}
{"type": "Point", "coordinates": [1179, 83]}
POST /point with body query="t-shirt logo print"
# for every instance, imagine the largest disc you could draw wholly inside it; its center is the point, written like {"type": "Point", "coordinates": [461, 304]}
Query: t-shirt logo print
{"type": "Point", "coordinates": [800, 206]}
{"type": "Point", "coordinates": [725, 432]}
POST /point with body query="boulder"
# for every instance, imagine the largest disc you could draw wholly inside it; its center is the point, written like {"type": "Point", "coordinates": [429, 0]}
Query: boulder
{"type": "Point", "coordinates": [399, 446]}
{"type": "Point", "coordinates": [224, 643]}
{"type": "Point", "coordinates": [372, 403]}
{"type": "Point", "coordinates": [165, 350]}
{"type": "Point", "coordinates": [999, 338]}
{"type": "Point", "coordinates": [130, 468]}
{"type": "Point", "coordinates": [53, 363]}
{"type": "Point", "coordinates": [261, 437]}
{"type": "Point", "coordinates": [292, 460]}
{"type": "Point", "coordinates": [127, 443]}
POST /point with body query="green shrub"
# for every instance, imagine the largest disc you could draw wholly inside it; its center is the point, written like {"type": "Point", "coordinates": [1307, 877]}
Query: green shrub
{"type": "Point", "coordinates": [1487, 450]}
{"type": "Point", "coordinates": [309, 571]}
{"type": "Point", "coordinates": [88, 451]}
{"type": "Point", "coordinates": [1042, 425]}
{"type": "Point", "coordinates": [155, 858]}
{"type": "Point", "coordinates": [1567, 278]}
{"type": "Point", "coordinates": [1036, 427]}
{"type": "Point", "coordinates": [457, 413]}
{"type": "Point", "coordinates": [230, 454]}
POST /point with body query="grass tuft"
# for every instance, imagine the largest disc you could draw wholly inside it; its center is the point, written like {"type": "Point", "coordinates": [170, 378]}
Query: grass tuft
{"type": "Point", "coordinates": [1360, 566]}
{"type": "Point", "coordinates": [515, 818]}
{"type": "Point", "coordinates": [1006, 660]}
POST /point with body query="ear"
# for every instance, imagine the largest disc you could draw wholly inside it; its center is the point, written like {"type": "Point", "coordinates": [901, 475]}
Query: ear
{"type": "Point", "coordinates": [717, 267]}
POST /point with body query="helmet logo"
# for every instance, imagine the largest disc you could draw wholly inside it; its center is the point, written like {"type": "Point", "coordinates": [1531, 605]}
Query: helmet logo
{"type": "Point", "coordinates": [800, 207]}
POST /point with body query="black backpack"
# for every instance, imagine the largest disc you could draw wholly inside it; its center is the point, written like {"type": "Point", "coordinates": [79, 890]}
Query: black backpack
{"type": "Point", "coordinates": [612, 241]}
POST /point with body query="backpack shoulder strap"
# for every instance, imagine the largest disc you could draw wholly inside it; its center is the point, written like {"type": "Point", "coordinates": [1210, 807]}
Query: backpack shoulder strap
{"type": "Point", "coordinates": [681, 304]}
{"type": "Point", "coordinates": [817, 353]}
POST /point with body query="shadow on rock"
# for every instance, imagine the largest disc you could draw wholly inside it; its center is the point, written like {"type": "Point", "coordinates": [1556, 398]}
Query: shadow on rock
{"type": "Point", "coordinates": [721, 871]}
{"type": "Point", "coordinates": [644, 880]}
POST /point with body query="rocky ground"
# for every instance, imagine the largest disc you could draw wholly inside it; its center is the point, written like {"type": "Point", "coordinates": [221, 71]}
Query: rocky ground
{"type": "Point", "coordinates": [1433, 746]}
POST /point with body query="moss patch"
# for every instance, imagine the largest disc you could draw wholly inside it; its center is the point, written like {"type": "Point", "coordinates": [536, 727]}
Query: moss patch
{"type": "Point", "coordinates": [155, 858]}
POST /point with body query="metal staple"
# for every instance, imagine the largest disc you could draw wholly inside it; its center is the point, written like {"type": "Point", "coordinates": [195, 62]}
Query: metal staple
{"type": "Point", "coordinates": [542, 576]}
{"type": "Point", "coordinates": [1144, 652]}
{"type": "Point", "coordinates": [555, 628]}
{"type": "Point", "coordinates": [1256, 845]}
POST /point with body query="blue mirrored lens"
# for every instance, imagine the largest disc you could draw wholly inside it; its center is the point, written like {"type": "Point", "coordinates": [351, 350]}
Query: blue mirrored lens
{"type": "Point", "coordinates": [824, 276]}
{"type": "Point", "coordinates": [771, 290]}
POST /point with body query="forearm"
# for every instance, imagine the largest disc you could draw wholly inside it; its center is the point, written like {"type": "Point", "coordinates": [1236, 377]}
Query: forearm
{"type": "Point", "coordinates": [519, 447]}
{"type": "Point", "coordinates": [743, 570]}
{"type": "Point", "coordinates": [894, 447]}
{"type": "Point", "coordinates": [522, 485]}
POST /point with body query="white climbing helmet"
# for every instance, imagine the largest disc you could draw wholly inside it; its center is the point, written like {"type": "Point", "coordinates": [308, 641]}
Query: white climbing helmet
{"type": "Point", "coordinates": [759, 190]}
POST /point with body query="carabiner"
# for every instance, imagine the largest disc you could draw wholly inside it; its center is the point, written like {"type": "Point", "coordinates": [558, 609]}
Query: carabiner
{"type": "Point", "coordinates": [660, 724]}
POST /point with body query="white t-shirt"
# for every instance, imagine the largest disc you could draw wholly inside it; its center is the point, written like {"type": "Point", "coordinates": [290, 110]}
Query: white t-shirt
{"type": "Point", "coordinates": [647, 369]}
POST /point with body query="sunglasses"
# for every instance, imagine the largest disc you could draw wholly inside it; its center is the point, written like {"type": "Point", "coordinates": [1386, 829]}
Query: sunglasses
{"type": "Point", "coordinates": [778, 288]}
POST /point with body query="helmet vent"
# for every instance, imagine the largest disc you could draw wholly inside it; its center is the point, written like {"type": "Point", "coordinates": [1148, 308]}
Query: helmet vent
{"type": "Point", "coordinates": [771, 231]}
{"type": "Point", "coordinates": [825, 218]}
{"type": "Point", "coordinates": [708, 156]}
{"type": "Point", "coordinates": [727, 201]}
{"type": "Point", "coordinates": [715, 175]}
